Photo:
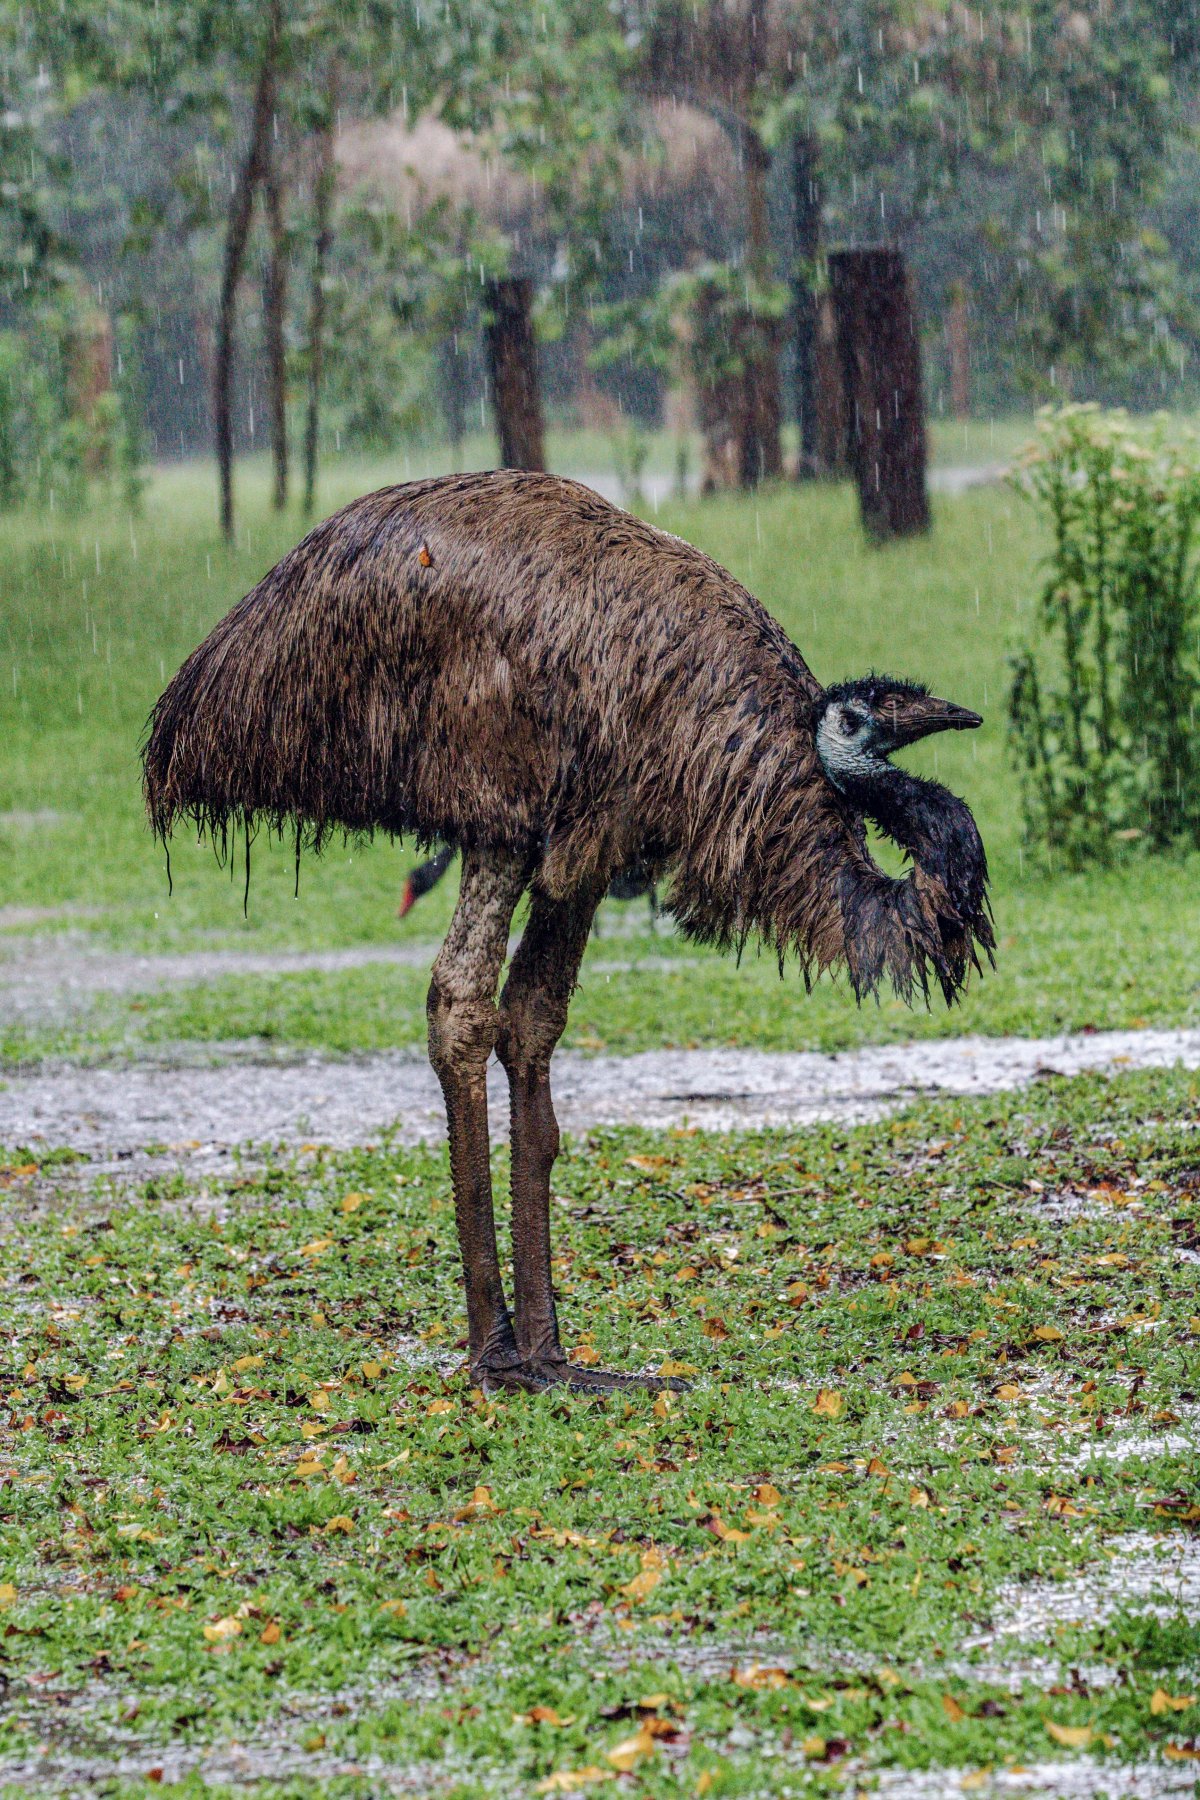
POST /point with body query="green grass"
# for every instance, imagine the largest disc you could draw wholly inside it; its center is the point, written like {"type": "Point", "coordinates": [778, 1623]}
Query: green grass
{"type": "Point", "coordinates": [249, 1493]}
{"type": "Point", "coordinates": [97, 612]}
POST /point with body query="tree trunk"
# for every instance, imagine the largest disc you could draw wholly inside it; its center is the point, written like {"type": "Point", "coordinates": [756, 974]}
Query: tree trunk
{"type": "Point", "coordinates": [237, 232]}
{"type": "Point", "coordinates": [760, 446]}
{"type": "Point", "coordinates": [959, 352]}
{"type": "Point", "coordinates": [832, 457]}
{"type": "Point", "coordinates": [274, 313]}
{"type": "Point", "coordinates": [881, 372]}
{"type": "Point", "coordinates": [807, 200]}
{"type": "Point", "coordinates": [513, 368]}
{"type": "Point", "coordinates": [323, 197]}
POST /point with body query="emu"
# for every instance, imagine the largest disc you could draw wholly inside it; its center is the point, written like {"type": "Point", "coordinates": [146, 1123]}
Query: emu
{"type": "Point", "coordinates": [506, 663]}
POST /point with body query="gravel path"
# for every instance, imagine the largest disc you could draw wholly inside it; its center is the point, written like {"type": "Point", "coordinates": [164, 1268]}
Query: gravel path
{"type": "Point", "coordinates": [115, 1112]}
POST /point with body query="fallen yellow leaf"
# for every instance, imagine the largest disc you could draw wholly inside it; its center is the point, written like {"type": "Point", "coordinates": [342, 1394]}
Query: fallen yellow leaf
{"type": "Point", "coordinates": [565, 1781]}
{"type": "Point", "coordinates": [397, 1607]}
{"type": "Point", "coordinates": [438, 1406]}
{"type": "Point", "coordinates": [1074, 1737]}
{"type": "Point", "coordinates": [270, 1634]}
{"type": "Point", "coordinates": [828, 1404]}
{"type": "Point", "coordinates": [222, 1629]}
{"type": "Point", "coordinates": [952, 1709]}
{"type": "Point", "coordinates": [8, 1593]}
{"type": "Point", "coordinates": [755, 1675]}
{"type": "Point", "coordinates": [352, 1202]}
{"type": "Point", "coordinates": [1162, 1702]}
{"type": "Point", "coordinates": [642, 1585]}
{"type": "Point", "coordinates": [728, 1534]}
{"type": "Point", "coordinates": [248, 1362]}
{"type": "Point", "coordinates": [339, 1522]}
{"type": "Point", "coordinates": [317, 1246]}
{"type": "Point", "coordinates": [1047, 1334]}
{"type": "Point", "coordinates": [631, 1751]}
{"type": "Point", "coordinates": [767, 1495]}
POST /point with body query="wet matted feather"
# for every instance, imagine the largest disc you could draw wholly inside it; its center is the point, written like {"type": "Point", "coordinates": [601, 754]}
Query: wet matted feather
{"type": "Point", "coordinates": [507, 660]}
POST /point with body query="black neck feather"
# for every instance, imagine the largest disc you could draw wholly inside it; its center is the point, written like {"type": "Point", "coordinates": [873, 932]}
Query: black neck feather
{"type": "Point", "coordinates": [932, 825]}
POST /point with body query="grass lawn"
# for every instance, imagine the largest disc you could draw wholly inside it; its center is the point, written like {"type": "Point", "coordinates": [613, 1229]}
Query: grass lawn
{"type": "Point", "coordinates": [941, 1365]}
{"type": "Point", "coordinates": [95, 614]}
{"type": "Point", "coordinates": [931, 1503]}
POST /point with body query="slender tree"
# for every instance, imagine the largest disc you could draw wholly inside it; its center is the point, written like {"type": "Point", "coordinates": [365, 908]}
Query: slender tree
{"type": "Point", "coordinates": [324, 188]}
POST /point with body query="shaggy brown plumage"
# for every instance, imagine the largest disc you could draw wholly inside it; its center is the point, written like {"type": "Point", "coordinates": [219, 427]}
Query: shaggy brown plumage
{"type": "Point", "coordinates": [508, 664]}
{"type": "Point", "coordinates": [507, 661]}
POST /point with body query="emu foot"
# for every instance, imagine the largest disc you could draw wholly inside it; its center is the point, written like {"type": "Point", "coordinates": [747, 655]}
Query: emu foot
{"type": "Point", "coordinates": [540, 1373]}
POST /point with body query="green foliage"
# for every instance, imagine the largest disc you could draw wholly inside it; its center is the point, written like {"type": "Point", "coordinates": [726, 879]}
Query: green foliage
{"type": "Point", "coordinates": [1102, 701]}
{"type": "Point", "coordinates": [51, 447]}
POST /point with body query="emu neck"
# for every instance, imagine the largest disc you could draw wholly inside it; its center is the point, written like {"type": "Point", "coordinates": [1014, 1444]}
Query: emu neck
{"type": "Point", "coordinates": [924, 819]}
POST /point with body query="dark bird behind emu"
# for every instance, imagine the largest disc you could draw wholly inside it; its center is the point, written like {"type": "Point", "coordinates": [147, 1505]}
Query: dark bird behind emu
{"type": "Point", "coordinates": [509, 664]}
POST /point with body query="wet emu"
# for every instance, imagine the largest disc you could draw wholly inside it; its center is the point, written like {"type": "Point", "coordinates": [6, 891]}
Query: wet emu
{"type": "Point", "coordinates": [507, 663]}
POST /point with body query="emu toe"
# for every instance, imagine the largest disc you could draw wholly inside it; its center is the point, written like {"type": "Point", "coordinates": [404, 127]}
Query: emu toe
{"type": "Point", "coordinates": [535, 1376]}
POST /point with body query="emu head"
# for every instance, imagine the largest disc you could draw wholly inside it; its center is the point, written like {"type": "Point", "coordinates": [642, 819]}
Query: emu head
{"type": "Point", "coordinates": [857, 726]}
{"type": "Point", "coordinates": [860, 723]}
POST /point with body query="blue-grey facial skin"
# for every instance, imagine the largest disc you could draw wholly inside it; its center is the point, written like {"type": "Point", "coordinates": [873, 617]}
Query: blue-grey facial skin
{"type": "Point", "coordinates": [847, 742]}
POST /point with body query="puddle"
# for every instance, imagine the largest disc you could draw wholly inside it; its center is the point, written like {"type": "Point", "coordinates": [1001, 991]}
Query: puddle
{"type": "Point", "coordinates": [1159, 1577]}
{"type": "Point", "coordinates": [1083, 1779]}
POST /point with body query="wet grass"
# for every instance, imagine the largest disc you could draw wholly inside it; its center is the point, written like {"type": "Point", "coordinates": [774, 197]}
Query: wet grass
{"type": "Point", "coordinates": [96, 613]}
{"type": "Point", "coordinates": [250, 1495]}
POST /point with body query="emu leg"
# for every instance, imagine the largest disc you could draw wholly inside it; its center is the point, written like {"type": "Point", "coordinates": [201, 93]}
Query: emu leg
{"type": "Point", "coordinates": [462, 1033]}
{"type": "Point", "coordinates": [533, 1013]}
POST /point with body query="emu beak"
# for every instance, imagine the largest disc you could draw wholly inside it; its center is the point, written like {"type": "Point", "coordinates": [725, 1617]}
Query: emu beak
{"type": "Point", "coordinates": [908, 720]}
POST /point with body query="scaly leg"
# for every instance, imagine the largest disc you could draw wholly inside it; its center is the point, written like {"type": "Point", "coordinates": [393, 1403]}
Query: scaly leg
{"type": "Point", "coordinates": [462, 1033]}
{"type": "Point", "coordinates": [533, 1013]}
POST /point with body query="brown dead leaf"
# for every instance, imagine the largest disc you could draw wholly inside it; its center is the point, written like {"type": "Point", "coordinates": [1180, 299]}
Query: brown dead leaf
{"type": "Point", "coordinates": [828, 1404]}
{"type": "Point", "coordinates": [756, 1675]}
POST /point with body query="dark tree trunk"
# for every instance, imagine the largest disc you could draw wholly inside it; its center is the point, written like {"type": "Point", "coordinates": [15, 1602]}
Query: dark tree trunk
{"type": "Point", "coordinates": [237, 232]}
{"type": "Point", "coordinates": [323, 196]}
{"type": "Point", "coordinates": [807, 201]}
{"type": "Point", "coordinates": [274, 312]}
{"type": "Point", "coordinates": [881, 372]}
{"type": "Point", "coordinates": [760, 447]}
{"type": "Point", "coordinates": [513, 368]}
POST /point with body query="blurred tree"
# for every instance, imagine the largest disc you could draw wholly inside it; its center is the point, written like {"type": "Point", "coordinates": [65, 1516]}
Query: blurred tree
{"type": "Point", "coordinates": [258, 71]}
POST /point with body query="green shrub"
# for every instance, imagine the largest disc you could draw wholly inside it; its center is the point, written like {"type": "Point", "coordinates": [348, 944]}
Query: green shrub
{"type": "Point", "coordinates": [1102, 701]}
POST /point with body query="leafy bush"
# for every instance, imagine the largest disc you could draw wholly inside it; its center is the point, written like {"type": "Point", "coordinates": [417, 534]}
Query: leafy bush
{"type": "Point", "coordinates": [50, 444]}
{"type": "Point", "coordinates": [1102, 702]}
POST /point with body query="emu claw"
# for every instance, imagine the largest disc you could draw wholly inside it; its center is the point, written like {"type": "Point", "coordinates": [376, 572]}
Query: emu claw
{"type": "Point", "coordinates": [539, 1374]}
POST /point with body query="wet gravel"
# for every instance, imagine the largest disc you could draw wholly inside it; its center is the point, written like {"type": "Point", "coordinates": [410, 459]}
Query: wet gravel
{"type": "Point", "coordinates": [241, 1096]}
